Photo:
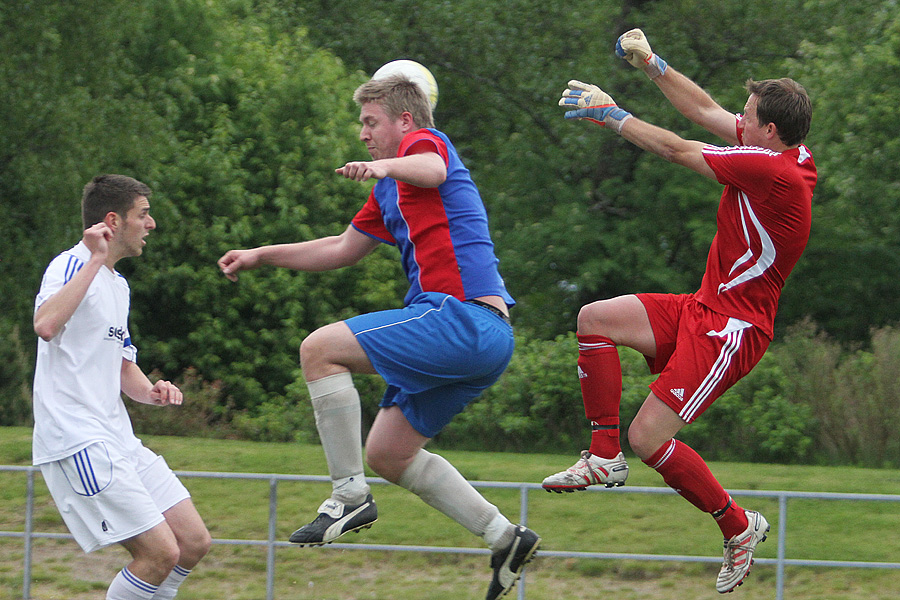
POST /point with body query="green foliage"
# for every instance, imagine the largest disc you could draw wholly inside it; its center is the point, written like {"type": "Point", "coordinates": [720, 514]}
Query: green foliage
{"type": "Point", "coordinates": [228, 123]}
{"type": "Point", "coordinates": [757, 419]}
{"type": "Point", "coordinates": [852, 394]}
{"type": "Point", "coordinates": [851, 70]}
{"type": "Point", "coordinates": [15, 374]}
{"type": "Point", "coordinates": [257, 145]}
{"type": "Point", "coordinates": [237, 112]}
{"type": "Point", "coordinates": [577, 214]}
{"type": "Point", "coordinates": [202, 414]}
{"type": "Point", "coordinates": [536, 406]}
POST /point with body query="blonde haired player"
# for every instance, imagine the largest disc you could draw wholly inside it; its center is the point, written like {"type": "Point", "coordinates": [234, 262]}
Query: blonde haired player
{"type": "Point", "coordinates": [702, 343]}
{"type": "Point", "coordinates": [450, 341]}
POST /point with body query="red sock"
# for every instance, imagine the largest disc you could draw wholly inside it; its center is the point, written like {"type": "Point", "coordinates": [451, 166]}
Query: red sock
{"type": "Point", "coordinates": [684, 471]}
{"type": "Point", "coordinates": [732, 520]}
{"type": "Point", "coordinates": [600, 375]}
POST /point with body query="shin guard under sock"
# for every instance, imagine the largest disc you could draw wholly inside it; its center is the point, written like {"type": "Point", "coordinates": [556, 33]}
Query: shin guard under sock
{"type": "Point", "coordinates": [687, 473]}
{"type": "Point", "coordinates": [600, 376]}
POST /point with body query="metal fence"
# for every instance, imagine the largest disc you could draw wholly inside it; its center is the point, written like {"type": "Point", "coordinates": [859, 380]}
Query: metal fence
{"type": "Point", "coordinates": [271, 543]}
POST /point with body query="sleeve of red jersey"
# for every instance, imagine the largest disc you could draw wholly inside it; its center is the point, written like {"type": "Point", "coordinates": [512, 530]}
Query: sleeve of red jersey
{"type": "Point", "coordinates": [370, 222]}
{"type": "Point", "coordinates": [750, 169]}
{"type": "Point", "coordinates": [422, 141]}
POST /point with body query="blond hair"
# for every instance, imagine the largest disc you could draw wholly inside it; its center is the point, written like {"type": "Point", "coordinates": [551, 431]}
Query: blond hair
{"type": "Point", "coordinates": [397, 95]}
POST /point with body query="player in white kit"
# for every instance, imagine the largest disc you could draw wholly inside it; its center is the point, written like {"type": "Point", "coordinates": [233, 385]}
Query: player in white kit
{"type": "Point", "coordinates": [108, 487]}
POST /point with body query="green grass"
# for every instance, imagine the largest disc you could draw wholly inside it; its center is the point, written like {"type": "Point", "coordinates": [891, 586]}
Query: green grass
{"type": "Point", "coordinates": [589, 522]}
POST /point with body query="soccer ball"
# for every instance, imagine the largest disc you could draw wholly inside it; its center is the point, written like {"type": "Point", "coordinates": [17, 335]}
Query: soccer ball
{"type": "Point", "coordinates": [416, 73]}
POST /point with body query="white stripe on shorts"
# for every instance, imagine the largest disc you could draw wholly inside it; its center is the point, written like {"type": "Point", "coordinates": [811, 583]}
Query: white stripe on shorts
{"type": "Point", "coordinates": [715, 375]}
{"type": "Point", "coordinates": [423, 315]}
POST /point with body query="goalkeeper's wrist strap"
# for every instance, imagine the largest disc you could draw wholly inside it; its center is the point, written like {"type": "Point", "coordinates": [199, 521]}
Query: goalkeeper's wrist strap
{"type": "Point", "coordinates": [655, 66]}
{"type": "Point", "coordinates": [616, 118]}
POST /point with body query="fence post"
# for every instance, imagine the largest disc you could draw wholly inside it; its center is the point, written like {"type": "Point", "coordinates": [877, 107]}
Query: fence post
{"type": "Point", "coordinates": [270, 549]}
{"type": "Point", "coordinates": [29, 527]}
{"type": "Point", "coordinates": [782, 546]}
{"type": "Point", "coordinates": [523, 519]}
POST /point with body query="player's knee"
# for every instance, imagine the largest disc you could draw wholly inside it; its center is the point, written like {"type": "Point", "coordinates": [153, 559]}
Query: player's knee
{"type": "Point", "coordinates": [194, 547]}
{"type": "Point", "coordinates": [590, 319]}
{"type": "Point", "coordinates": [162, 559]}
{"type": "Point", "coordinates": [310, 348]}
{"type": "Point", "coordinates": [384, 462]}
{"type": "Point", "coordinates": [642, 444]}
{"type": "Point", "coordinates": [377, 457]}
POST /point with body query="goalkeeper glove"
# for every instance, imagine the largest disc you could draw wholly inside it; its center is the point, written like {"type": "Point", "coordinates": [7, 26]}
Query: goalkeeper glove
{"type": "Point", "coordinates": [593, 104]}
{"type": "Point", "coordinates": [634, 47]}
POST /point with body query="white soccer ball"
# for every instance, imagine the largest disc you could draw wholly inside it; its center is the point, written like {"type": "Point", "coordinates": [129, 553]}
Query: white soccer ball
{"type": "Point", "coordinates": [416, 73]}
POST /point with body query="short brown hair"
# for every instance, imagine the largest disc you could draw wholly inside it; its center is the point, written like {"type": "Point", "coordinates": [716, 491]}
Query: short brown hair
{"type": "Point", "coordinates": [397, 94]}
{"type": "Point", "coordinates": [110, 193]}
{"type": "Point", "coordinates": [785, 103]}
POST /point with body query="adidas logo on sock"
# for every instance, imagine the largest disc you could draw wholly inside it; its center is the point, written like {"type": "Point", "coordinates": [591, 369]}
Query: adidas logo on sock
{"type": "Point", "coordinates": [581, 374]}
{"type": "Point", "coordinates": [678, 393]}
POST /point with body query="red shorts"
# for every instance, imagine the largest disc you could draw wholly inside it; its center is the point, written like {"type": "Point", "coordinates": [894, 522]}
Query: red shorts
{"type": "Point", "coordinates": [699, 353]}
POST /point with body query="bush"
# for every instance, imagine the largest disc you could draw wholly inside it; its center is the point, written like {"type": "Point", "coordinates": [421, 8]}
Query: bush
{"type": "Point", "coordinates": [807, 401]}
{"type": "Point", "coordinates": [756, 420]}
{"type": "Point", "coordinates": [852, 394]}
{"type": "Point", "coordinates": [15, 377]}
{"type": "Point", "coordinates": [536, 405]}
{"type": "Point", "coordinates": [201, 415]}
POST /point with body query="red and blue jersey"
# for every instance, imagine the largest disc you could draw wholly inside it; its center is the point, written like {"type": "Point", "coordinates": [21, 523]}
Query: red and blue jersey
{"type": "Point", "coordinates": [442, 233]}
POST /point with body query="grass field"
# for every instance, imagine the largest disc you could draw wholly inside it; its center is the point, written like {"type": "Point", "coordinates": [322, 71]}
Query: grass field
{"type": "Point", "coordinates": [588, 522]}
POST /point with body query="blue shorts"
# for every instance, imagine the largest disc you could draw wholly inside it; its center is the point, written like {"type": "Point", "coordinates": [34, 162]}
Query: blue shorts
{"type": "Point", "coordinates": [436, 355]}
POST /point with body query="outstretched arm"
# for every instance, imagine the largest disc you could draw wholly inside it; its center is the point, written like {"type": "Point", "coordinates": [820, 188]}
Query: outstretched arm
{"type": "Point", "coordinates": [421, 169]}
{"type": "Point", "coordinates": [687, 97]}
{"type": "Point", "coordinates": [323, 254]}
{"type": "Point", "coordinates": [593, 104]}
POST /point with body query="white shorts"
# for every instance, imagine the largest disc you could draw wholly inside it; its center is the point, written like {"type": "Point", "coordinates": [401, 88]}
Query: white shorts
{"type": "Point", "coordinates": [105, 497]}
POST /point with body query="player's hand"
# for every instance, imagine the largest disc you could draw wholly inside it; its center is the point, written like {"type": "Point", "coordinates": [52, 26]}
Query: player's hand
{"type": "Point", "coordinates": [234, 261]}
{"type": "Point", "coordinates": [164, 393]}
{"type": "Point", "coordinates": [97, 238]}
{"type": "Point", "coordinates": [634, 47]}
{"type": "Point", "coordinates": [593, 104]}
{"type": "Point", "coordinates": [362, 170]}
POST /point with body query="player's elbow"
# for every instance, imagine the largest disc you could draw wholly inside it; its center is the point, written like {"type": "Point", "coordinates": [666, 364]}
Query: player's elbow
{"type": "Point", "coordinates": [45, 329]}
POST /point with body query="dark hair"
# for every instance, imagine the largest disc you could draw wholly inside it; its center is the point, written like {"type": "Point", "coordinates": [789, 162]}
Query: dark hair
{"type": "Point", "coordinates": [397, 94]}
{"type": "Point", "coordinates": [785, 103]}
{"type": "Point", "coordinates": [109, 193]}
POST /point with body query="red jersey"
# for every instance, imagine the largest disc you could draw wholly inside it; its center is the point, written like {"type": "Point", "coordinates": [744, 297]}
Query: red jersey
{"type": "Point", "coordinates": [762, 227]}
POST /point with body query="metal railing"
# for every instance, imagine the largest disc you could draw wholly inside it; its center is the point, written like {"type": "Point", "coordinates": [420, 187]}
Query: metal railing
{"type": "Point", "coordinates": [271, 543]}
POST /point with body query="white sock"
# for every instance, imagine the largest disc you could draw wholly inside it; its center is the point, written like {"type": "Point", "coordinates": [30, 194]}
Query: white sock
{"type": "Point", "coordinates": [169, 587]}
{"type": "Point", "coordinates": [441, 486]}
{"type": "Point", "coordinates": [499, 533]}
{"type": "Point", "coordinates": [335, 403]}
{"type": "Point", "coordinates": [126, 586]}
{"type": "Point", "coordinates": [351, 490]}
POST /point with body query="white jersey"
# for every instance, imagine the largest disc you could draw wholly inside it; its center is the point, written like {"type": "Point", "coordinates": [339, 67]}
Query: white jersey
{"type": "Point", "coordinates": [77, 380]}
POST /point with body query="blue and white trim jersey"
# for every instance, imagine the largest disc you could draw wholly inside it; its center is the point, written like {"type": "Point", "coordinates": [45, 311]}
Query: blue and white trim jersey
{"type": "Point", "coordinates": [77, 380]}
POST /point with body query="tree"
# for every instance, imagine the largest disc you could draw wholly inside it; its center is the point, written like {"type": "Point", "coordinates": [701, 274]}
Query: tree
{"type": "Point", "coordinates": [238, 130]}
{"type": "Point", "coordinates": [847, 281]}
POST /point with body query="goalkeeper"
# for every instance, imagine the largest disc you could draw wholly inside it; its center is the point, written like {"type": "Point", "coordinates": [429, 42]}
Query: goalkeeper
{"type": "Point", "coordinates": [699, 344]}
